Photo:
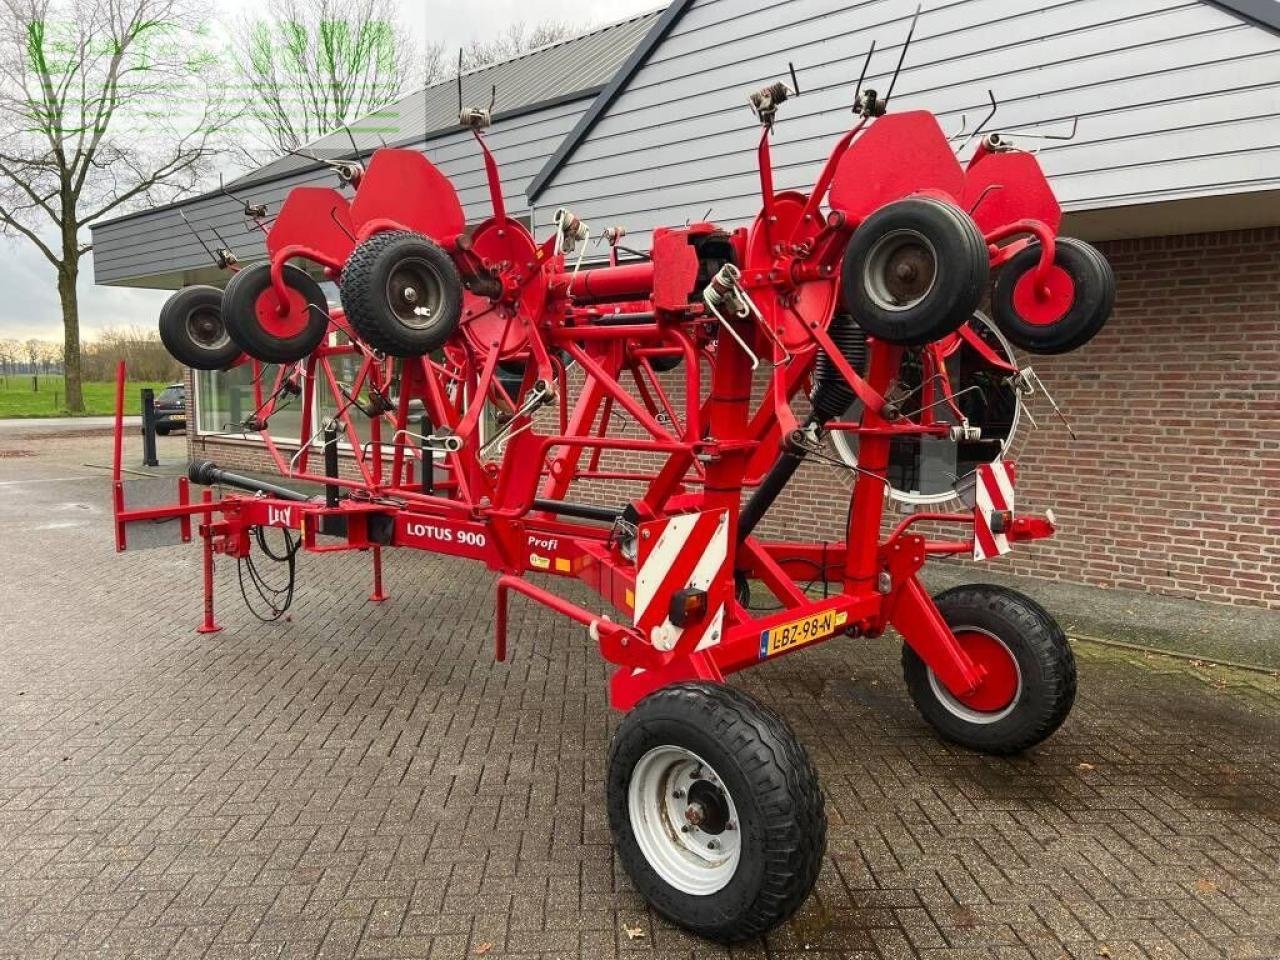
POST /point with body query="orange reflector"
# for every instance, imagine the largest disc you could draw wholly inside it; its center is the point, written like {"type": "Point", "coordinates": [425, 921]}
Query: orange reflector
{"type": "Point", "coordinates": [687, 606]}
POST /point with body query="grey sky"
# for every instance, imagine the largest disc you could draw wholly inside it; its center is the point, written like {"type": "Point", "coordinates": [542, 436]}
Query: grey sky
{"type": "Point", "coordinates": [29, 299]}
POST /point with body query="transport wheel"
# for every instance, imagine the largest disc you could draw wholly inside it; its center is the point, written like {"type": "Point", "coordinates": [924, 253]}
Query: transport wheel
{"type": "Point", "coordinates": [193, 331]}
{"type": "Point", "coordinates": [1065, 314]}
{"type": "Point", "coordinates": [402, 293]}
{"type": "Point", "coordinates": [1031, 672]}
{"type": "Point", "coordinates": [914, 271]}
{"type": "Point", "coordinates": [254, 321]}
{"type": "Point", "coordinates": [716, 810]}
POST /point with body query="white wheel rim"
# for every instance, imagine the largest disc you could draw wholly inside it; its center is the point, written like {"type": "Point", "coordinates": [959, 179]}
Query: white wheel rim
{"type": "Point", "coordinates": [684, 820]}
{"type": "Point", "coordinates": [968, 714]}
{"type": "Point", "coordinates": [876, 277]}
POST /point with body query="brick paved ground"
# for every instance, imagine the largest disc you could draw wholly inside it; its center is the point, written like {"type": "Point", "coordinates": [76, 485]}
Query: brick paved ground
{"type": "Point", "coordinates": [364, 782]}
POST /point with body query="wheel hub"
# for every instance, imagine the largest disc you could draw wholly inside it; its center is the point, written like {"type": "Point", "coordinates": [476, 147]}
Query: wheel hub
{"type": "Point", "coordinates": [684, 820]}
{"type": "Point", "coordinates": [998, 694]}
{"type": "Point", "coordinates": [206, 328]}
{"type": "Point", "coordinates": [708, 808]}
{"type": "Point", "coordinates": [414, 292]}
{"type": "Point", "coordinates": [901, 270]}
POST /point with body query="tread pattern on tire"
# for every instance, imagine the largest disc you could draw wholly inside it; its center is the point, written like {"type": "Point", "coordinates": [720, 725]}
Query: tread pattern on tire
{"type": "Point", "coordinates": [240, 299]}
{"type": "Point", "coordinates": [356, 288]}
{"type": "Point", "coordinates": [173, 329]}
{"type": "Point", "coordinates": [784, 782]}
{"type": "Point", "coordinates": [949, 317]}
{"type": "Point", "coordinates": [1034, 340]}
{"type": "Point", "coordinates": [1036, 720]}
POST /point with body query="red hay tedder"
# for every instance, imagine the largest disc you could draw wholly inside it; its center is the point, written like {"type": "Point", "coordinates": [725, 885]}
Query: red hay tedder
{"type": "Point", "coordinates": [835, 318]}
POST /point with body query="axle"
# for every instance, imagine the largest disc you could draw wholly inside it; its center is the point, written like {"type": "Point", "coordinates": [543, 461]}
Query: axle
{"type": "Point", "coordinates": [208, 473]}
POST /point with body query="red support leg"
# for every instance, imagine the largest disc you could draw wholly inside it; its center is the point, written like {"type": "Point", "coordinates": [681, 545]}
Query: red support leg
{"type": "Point", "coordinates": [206, 545]}
{"type": "Point", "coordinates": [377, 596]}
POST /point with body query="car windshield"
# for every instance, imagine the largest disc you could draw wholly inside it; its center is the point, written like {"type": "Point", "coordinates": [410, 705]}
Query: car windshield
{"type": "Point", "coordinates": [171, 395]}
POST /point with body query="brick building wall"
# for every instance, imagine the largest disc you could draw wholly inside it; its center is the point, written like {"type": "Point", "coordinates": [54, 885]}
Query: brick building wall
{"type": "Point", "coordinates": [1173, 485]}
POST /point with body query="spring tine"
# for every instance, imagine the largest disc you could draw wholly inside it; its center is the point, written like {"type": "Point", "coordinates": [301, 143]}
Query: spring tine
{"type": "Point", "coordinates": [991, 94]}
{"type": "Point", "coordinates": [354, 146]}
{"type": "Point", "coordinates": [857, 91]}
{"type": "Point", "coordinates": [902, 58]}
{"type": "Point", "coordinates": [196, 234]}
{"type": "Point", "coordinates": [1063, 137]}
{"type": "Point", "coordinates": [1053, 403]}
{"type": "Point", "coordinates": [459, 81]}
{"type": "Point", "coordinates": [333, 215]}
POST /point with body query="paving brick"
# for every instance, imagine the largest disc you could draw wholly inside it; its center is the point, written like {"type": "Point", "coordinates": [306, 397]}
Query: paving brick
{"type": "Point", "coordinates": [363, 781]}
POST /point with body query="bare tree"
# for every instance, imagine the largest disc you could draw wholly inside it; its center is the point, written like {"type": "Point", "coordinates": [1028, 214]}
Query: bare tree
{"type": "Point", "coordinates": [10, 353]}
{"type": "Point", "coordinates": [103, 106]}
{"type": "Point", "coordinates": [514, 40]}
{"type": "Point", "coordinates": [311, 66]}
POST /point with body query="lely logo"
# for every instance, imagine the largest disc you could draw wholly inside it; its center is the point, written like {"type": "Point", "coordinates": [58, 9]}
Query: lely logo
{"type": "Point", "coordinates": [280, 516]}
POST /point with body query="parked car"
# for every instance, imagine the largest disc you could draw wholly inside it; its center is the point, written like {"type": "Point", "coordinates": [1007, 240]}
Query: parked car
{"type": "Point", "coordinates": [171, 409]}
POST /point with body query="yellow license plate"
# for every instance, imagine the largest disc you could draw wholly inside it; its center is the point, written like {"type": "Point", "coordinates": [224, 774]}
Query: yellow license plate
{"type": "Point", "coordinates": [797, 633]}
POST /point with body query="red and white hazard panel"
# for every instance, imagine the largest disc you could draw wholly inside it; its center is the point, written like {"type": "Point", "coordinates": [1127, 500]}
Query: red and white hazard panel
{"type": "Point", "coordinates": [992, 504]}
{"type": "Point", "coordinates": [688, 551]}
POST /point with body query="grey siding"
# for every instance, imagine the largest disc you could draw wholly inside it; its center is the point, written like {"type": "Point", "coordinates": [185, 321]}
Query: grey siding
{"type": "Point", "coordinates": [161, 247]}
{"type": "Point", "coordinates": [1176, 98]}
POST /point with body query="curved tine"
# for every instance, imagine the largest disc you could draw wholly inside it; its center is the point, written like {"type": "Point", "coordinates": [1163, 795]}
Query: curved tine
{"type": "Point", "coordinates": [1025, 135]}
{"type": "Point", "coordinates": [352, 137]}
{"type": "Point", "coordinates": [327, 422]}
{"type": "Point", "coordinates": [991, 94]}
{"type": "Point", "coordinates": [333, 215]}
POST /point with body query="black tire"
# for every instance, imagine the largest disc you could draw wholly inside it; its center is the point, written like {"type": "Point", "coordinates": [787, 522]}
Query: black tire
{"type": "Point", "coordinates": [240, 307]}
{"type": "Point", "coordinates": [914, 271]}
{"type": "Point", "coordinates": [666, 364]}
{"type": "Point", "coordinates": [1046, 686]}
{"type": "Point", "coordinates": [374, 288]}
{"type": "Point", "coordinates": [193, 330]}
{"type": "Point", "coordinates": [755, 760]}
{"type": "Point", "coordinates": [162, 431]}
{"type": "Point", "coordinates": [1095, 296]}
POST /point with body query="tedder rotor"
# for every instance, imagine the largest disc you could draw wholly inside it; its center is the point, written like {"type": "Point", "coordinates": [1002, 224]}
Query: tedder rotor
{"type": "Point", "coordinates": [629, 424]}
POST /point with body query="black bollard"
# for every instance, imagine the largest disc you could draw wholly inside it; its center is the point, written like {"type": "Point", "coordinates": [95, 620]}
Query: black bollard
{"type": "Point", "coordinates": [149, 457]}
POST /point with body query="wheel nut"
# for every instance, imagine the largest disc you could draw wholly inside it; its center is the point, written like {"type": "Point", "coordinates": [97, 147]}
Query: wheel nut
{"type": "Point", "coordinates": [677, 793]}
{"type": "Point", "coordinates": [713, 844]}
{"type": "Point", "coordinates": [685, 828]}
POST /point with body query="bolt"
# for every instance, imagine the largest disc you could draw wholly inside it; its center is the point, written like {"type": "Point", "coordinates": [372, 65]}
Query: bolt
{"type": "Point", "coordinates": [410, 295]}
{"type": "Point", "coordinates": [713, 844]}
{"type": "Point", "coordinates": [685, 828]}
{"type": "Point", "coordinates": [677, 793]}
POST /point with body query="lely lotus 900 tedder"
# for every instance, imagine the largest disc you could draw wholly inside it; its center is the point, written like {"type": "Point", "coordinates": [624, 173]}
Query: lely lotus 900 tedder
{"type": "Point", "coordinates": [470, 383]}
